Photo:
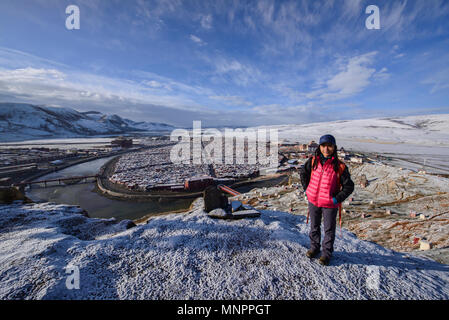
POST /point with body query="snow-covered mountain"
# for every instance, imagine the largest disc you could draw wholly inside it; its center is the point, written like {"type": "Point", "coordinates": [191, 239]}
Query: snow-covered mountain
{"type": "Point", "coordinates": [20, 121]}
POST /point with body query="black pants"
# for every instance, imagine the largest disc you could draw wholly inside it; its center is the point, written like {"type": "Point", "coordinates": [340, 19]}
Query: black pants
{"type": "Point", "coordinates": [330, 223]}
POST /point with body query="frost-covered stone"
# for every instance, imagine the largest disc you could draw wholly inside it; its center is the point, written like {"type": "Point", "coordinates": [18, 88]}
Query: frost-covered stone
{"type": "Point", "coordinates": [219, 213]}
{"type": "Point", "coordinates": [424, 245]}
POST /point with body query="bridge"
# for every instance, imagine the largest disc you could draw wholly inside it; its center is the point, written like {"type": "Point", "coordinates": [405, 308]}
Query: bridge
{"type": "Point", "coordinates": [67, 180]}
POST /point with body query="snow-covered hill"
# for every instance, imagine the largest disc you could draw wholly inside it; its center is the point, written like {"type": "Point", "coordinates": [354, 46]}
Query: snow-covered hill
{"type": "Point", "coordinates": [425, 130]}
{"type": "Point", "coordinates": [25, 121]}
{"type": "Point", "coordinates": [191, 256]}
{"type": "Point", "coordinates": [414, 142]}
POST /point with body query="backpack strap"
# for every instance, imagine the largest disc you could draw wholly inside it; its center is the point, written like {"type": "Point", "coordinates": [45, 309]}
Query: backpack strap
{"type": "Point", "coordinates": [341, 168]}
{"type": "Point", "coordinates": [311, 168]}
{"type": "Point", "coordinates": [311, 171]}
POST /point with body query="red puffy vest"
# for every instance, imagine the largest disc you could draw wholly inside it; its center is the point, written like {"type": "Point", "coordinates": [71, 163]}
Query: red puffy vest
{"type": "Point", "coordinates": [324, 183]}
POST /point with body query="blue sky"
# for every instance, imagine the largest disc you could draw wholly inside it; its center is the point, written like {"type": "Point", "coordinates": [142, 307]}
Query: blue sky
{"type": "Point", "coordinates": [239, 63]}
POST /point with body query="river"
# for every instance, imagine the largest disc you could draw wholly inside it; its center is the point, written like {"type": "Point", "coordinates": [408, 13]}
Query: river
{"type": "Point", "coordinates": [98, 206]}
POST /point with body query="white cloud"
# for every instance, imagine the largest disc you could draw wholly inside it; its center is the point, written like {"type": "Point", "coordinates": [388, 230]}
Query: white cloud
{"type": "Point", "coordinates": [354, 76]}
{"type": "Point", "coordinates": [10, 58]}
{"type": "Point", "coordinates": [285, 26]}
{"type": "Point", "coordinates": [232, 100]}
{"type": "Point", "coordinates": [48, 85]}
{"type": "Point", "coordinates": [230, 69]}
{"type": "Point", "coordinates": [156, 85]}
{"type": "Point", "coordinates": [352, 8]}
{"type": "Point", "coordinates": [30, 74]}
{"type": "Point", "coordinates": [197, 40]}
{"type": "Point", "coordinates": [382, 75]}
{"type": "Point", "coordinates": [266, 9]}
{"type": "Point", "coordinates": [206, 21]}
{"type": "Point", "coordinates": [405, 19]}
{"type": "Point", "coordinates": [439, 81]}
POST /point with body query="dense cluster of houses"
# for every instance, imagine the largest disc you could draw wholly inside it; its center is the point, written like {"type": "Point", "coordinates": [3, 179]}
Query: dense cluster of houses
{"type": "Point", "coordinates": [154, 168]}
{"type": "Point", "coordinates": [159, 175]}
{"type": "Point", "coordinates": [235, 170]}
{"type": "Point", "coordinates": [21, 156]}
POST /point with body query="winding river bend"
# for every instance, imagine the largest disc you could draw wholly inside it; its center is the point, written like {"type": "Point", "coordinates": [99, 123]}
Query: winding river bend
{"type": "Point", "coordinates": [99, 206]}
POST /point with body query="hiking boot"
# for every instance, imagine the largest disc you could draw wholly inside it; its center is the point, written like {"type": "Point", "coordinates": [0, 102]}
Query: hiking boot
{"type": "Point", "coordinates": [324, 261]}
{"type": "Point", "coordinates": [312, 253]}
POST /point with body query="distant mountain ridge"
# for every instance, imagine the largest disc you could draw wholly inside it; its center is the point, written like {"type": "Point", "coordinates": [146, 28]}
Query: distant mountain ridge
{"type": "Point", "coordinates": [20, 121]}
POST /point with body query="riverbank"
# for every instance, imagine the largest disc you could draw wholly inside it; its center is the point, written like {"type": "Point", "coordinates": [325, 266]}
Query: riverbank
{"type": "Point", "coordinates": [69, 163]}
{"type": "Point", "coordinates": [95, 203]}
{"type": "Point", "coordinates": [105, 187]}
{"type": "Point", "coordinates": [110, 189]}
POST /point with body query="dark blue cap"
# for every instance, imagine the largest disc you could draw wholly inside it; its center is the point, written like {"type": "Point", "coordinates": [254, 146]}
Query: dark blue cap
{"type": "Point", "coordinates": [328, 138]}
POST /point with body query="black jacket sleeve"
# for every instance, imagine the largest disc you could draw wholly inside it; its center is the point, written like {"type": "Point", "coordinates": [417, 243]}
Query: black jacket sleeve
{"type": "Point", "coordinates": [304, 173]}
{"type": "Point", "coordinates": [347, 186]}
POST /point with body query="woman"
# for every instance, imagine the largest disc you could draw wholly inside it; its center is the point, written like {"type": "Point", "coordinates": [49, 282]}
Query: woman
{"type": "Point", "coordinates": [327, 183]}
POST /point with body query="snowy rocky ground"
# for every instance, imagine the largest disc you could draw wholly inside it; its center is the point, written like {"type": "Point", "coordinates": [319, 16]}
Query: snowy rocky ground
{"type": "Point", "coordinates": [191, 256]}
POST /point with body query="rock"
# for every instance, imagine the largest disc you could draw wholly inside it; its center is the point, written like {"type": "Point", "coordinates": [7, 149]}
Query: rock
{"type": "Point", "coordinates": [388, 212]}
{"type": "Point", "coordinates": [130, 225]}
{"type": "Point", "coordinates": [363, 181]}
{"type": "Point", "coordinates": [422, 216]}
{"type": "Point", "coordinates": [252, 213]}
{"type": "Point", "coordinates": [214, 199]}
{"type": "Point", "coordinates": [219, 213]}
{"type": "Point", "coordinates": [236, 205]}
{"type": "Point", "coordinates": [392, 185]}
{"type": "Point", "coordinates": [424, 245]}
{"type": "Point", "coordinates": [10, 194]}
